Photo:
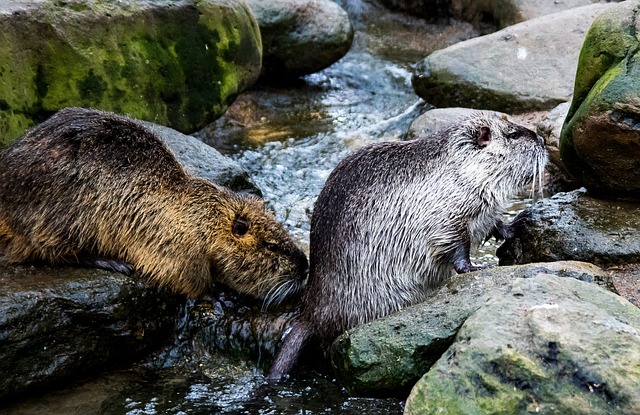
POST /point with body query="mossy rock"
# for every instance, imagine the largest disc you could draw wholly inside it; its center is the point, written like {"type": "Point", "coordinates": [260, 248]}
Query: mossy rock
{"type": "Point", "coordinates": [600, 139]}
{"type": "Point", "coordinates": [176, 63]}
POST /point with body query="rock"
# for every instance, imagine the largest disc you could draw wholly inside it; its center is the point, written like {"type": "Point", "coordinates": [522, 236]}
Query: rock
{"type": "Point", "coordinates": [487, 15]}
{"type": "Point", "coordinates": [64, 324]}
{"type": "Point", "coordinates": [204, 161]}
{"type": "Point", "coordinates": [526, 67]}
{"type": "Point", "coordinates": [236, 326]}
{"type": "Point", "coordinates": [438, 119]}
{"type": "Point", "coordinates": [550, 345]}
{"type": "Point", "coordinates": [175, 63]}
{"type": "Point", "coordinates": [600, 141]}
{"type": "Point", "coordinates": [575, 226]}
{"type": "Point", "coordinates": [300, 37]}
{"type": "Point", "coordinates": [389, 355]}
{"type": "Point", "coordinates": [549, 128]}
{"type": "Point", "coordinates": [506, 13]}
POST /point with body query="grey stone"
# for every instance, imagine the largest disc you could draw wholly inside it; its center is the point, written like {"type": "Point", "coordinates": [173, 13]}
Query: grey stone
{"type": "Point", "coordinates": [575, 226]}
{"type": "Point", "coordinates": [438, 119]}
{"type": "Point", "coordinates": [205, 161]}
{"type": "Point", "coordinates": [549, 345]}
{"type": "Point", "coordinates": [526, 67]}
{"type": "Point", "coordinates": [390, 354]}
{"type": "Point", "coordinates": [300, 37]}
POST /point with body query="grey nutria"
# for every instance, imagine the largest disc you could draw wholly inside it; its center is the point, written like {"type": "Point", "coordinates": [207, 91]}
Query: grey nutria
{"type": "Point", "coordinates": [97, 188]}
{"type": "Point", "coordinates": [395, 219]}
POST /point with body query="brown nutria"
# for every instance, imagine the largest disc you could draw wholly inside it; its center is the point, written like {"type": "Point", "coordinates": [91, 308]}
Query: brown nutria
{"type": "Point", "coordinates": [92, 187]}
{"type": "Point", "coordinates": [395, 219]}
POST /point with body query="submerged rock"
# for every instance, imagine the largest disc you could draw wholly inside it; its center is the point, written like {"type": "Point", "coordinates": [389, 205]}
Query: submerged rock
{"type": "Point", "coordinates": [300, 37]}
{"type": "Point", "coordinates": [600, 141]}
{"type": "Point", "coordinates": [176, 63]}
{"type": "Point", "coordinates": [63, 324]}
{"type": "Point", "coordinates": [575, 226]}
{"type": "Point", "coordinates": [526, 67]}
{"type": "Point", "coordinates": [549, 345]}
{"type": "Point", "coordinates": [390, 354]}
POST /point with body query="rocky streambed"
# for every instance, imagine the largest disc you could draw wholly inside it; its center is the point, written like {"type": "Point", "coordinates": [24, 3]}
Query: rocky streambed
{"type": "Point", "coordinates": [546, 337]}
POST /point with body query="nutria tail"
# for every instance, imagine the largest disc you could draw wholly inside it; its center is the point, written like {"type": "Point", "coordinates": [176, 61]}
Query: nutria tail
{"type": "Point", "coordinates": [289, 352]}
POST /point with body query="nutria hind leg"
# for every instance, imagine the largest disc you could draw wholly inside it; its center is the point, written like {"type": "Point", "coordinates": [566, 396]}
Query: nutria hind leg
{"type": "Point", "coordinates": [460, 258]}
{"type": "Point", "coordinates": [109, 264]}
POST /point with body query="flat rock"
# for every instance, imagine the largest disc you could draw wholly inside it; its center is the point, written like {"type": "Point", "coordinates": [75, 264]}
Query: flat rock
{"type": "Point", "coordinates": [438, 119]}
{"type": "Point", "coordinates": [549, 345]}
{"type": "Point", "coordinates": [526, 67]}
{"type": "Point", "coordinates": [64, 324]}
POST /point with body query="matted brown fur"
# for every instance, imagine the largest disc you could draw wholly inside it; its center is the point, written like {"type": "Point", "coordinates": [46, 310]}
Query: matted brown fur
{"type": "Point", "coordinates": [88, 185]}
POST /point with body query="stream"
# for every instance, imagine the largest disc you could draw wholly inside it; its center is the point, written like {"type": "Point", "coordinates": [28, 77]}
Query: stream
{"type": "Point", "coordinates": [288, 138]}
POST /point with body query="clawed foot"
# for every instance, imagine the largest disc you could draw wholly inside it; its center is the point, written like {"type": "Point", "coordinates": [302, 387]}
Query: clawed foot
{"type": "Point", "coordinates": [113, 265]}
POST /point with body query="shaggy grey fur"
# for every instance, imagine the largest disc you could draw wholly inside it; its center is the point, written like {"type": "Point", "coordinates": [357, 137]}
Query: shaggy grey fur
{"type": "Point", "coordinates": [395, 219]}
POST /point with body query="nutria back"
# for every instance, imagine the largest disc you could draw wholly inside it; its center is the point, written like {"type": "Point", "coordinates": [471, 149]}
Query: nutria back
{"type": "Point", "coordinates": [396, 219]}
{"type": "Point", "coordinates": [92, 184]}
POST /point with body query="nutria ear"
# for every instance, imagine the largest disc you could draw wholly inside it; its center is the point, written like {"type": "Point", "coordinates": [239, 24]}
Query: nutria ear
{"type": "Point", "coordinates": [484, 137]}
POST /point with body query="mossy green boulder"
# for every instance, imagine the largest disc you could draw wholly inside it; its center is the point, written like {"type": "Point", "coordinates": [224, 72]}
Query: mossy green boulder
{"type": "Point", "coordinates": [177, 63]}
{"type": "Point", "coordinates": [548, 346]}
{"type": "Point", "coordinates": [600, 139]}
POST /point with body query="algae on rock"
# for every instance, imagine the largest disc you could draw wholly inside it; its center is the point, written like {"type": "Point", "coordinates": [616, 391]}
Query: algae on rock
{"type": "Point", "coordinates": [179, 63]}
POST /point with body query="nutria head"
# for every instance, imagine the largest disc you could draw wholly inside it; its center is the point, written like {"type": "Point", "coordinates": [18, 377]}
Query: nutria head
{"type": "Point", "coordinates": [253, 253]}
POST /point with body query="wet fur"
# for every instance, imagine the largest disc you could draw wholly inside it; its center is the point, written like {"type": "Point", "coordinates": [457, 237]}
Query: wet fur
{"type": "Point", "coordinates": [395, 219]}
{"type": "Point", "coordinates": [90, 186]}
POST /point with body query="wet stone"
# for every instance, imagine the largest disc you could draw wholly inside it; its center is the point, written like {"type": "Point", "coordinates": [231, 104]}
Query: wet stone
{"type": "Point", "coordinates": [63, 324]}
{"type": "Point", "coordinates": [576, 226]}
{"type": "Point", "coordinates": [389, 355]}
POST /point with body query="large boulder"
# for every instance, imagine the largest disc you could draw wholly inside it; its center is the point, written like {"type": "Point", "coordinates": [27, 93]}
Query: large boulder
{"type": "Point", "coordinates": [526, 67]}
{"type": "Point", "coordinates": [389, 355]}
{"type": "Point", "coordinates": [300, 37]}
{"type": "Point", "coordinates": [64, 324]}
{"type": "Point", "coordinates": [600, 141]}
{"type": "Point", "coordinates": [178, 63]}
{"type": "Point", "coordinates": [575, 226]}
{"type": "Point", "coordinates": [549, 345]}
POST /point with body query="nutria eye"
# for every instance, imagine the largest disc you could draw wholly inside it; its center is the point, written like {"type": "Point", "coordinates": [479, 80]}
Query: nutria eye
{"type": "Point", "coordinates": [271, 246]}
{"type": "Point", "coordinates": [240, 228]}
{"type": "Point", "coordinates": [513, 135]}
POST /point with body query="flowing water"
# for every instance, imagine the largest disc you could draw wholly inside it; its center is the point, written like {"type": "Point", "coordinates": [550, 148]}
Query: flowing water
{"type": "Point", "coordinates": [288, 138]}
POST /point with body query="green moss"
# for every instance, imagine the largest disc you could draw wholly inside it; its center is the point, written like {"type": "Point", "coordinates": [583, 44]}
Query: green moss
{"type": "Point", "coordinates": [609, 39]}
{"type": "Point", "coordinates": [180, 66]}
